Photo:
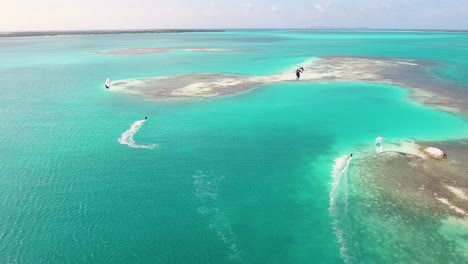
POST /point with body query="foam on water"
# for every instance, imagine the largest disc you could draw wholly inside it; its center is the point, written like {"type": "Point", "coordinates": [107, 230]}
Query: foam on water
{"type": "Point", "coordinates": [407, 63]}
{"type": "Point", "coordinates": [339, 176]}
{"type": "Point", "coordinates": [339, 170]}
{"type": "Point", "coordinates": [207, 193]}
{"type": "Point", "coordinates": [127, 137]}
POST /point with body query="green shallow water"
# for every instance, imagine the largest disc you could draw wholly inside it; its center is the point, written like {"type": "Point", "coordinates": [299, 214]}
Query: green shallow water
{"type": "Point", "coordinates": [239, 179]}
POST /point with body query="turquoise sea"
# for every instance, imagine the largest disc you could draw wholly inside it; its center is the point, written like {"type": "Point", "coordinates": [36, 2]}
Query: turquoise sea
{"type": "Point", "coordinates": [238, 179]}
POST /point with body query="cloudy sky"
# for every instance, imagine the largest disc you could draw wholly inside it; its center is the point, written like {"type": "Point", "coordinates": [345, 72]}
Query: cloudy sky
{"type": "Point", "coordinates": [143, 14]}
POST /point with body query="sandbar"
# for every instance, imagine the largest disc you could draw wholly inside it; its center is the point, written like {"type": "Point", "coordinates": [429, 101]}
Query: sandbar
{"type": "Point", "coordinates": [137, 51]}
{"type": "Point", "coordinates": [406, 73]}
{"type": "Point", "coordinates": [133, 51]}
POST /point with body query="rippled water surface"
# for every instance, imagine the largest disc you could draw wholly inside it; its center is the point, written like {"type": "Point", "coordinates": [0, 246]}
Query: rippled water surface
{"type": "Point", "coordinates": [247, 178]}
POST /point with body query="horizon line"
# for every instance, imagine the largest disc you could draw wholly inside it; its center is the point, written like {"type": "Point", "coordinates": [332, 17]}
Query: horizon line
{"type": "Point", "coordinates": [237, 28]}
{"type": "Point", "coordinates": [51, 33]}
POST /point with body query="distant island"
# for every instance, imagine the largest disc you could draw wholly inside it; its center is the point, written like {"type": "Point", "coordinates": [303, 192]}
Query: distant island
{"type": "Point", "coordinates": [100, 32]}
{"type": "Point", "coordinates": [139, 31]}
{"type": "Point", "coordinates": [319, 28]}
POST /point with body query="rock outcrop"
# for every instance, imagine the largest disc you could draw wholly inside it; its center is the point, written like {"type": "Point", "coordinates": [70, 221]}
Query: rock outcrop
{"type": "Point", "coordinates": [435, 153]}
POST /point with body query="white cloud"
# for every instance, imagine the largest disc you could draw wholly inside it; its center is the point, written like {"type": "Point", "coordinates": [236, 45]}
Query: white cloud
{"type": "Point", "coordinates": [274, 8]}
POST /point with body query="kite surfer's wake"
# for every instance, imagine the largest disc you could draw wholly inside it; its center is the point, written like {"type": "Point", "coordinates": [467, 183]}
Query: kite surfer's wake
{"type": "Point", "coordinates": [127, 137]}
{"type": "Point", "coordinates": [340, 182]}
{"type": "Point", "coordinates": [339, 173]}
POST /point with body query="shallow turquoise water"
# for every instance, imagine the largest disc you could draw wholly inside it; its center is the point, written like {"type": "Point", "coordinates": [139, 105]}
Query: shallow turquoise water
{"type": "Point", "coordinates": [238, 179]}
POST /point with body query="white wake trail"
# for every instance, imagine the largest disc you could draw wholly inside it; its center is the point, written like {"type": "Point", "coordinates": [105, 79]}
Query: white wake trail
{"type": "Point", "coordinates": [207, 185]}
{"type": "Point", "coordinates": [339, 169]}
{"type": "Point", "coordinates": [127, 137]}
{"type": "Point", "coordinates": [339, 176]}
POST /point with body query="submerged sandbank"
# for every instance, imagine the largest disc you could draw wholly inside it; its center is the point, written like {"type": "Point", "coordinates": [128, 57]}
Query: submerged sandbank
{"type": "Point", "coordinates": [136, 51]}
{"type": "Point", "coordinates": [410, 179]}
{"type": "Point", "coordinates": [410, 74]}
{"type": "Point", "coordinates": [403, 189]}
{"type": "Point", "coordinates": [399, 200]}
{"type": "Point", "coordinates": [133, 51]}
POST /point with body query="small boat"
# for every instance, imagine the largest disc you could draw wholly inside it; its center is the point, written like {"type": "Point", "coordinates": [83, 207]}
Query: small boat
{"type": "Point", "coordinates": [108, 83]}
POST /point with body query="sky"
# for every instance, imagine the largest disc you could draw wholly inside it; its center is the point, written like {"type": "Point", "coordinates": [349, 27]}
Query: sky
{"type": "Point", "coordinates": [25, 15]}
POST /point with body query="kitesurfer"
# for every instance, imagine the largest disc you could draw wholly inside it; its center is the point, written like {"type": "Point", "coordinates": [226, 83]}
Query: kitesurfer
{"type": "Point", "coordinates": [379, 144]}
{"type": "Point", "coordinates": [298, 74]}
{"type": "Point", "coordinates": [146, 117]}
{"type": "Point", "coordinates": [351, 155]}
{"type": "Point", "coordinates": [107, 83]}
